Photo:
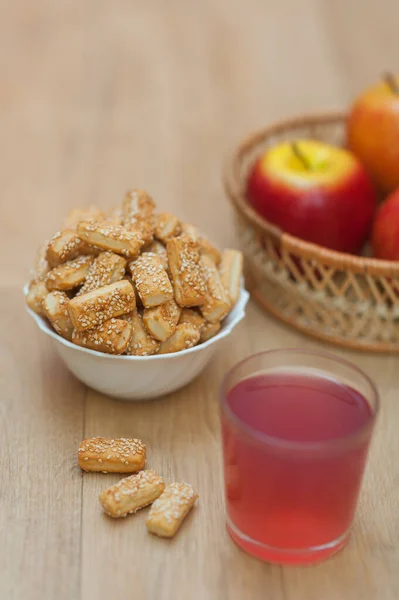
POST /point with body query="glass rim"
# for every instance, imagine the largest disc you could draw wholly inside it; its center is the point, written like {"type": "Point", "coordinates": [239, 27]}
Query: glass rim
{"type": "Point", "coordinates": [282, 443]}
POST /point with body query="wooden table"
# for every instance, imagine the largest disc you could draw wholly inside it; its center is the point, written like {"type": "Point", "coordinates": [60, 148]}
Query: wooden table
{"type": "Point", "coordinates": [97, 96]}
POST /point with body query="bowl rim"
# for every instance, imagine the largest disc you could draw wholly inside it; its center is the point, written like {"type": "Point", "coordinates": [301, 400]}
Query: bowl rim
{"type": "Point", "coordinates": [234, 187]}
{"type": "Point", "coordinates": [237, 312]}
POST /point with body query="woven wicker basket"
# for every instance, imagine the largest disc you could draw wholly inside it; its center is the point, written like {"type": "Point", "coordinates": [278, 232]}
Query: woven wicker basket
{"type": "Point", "coordinates": [348, 300]}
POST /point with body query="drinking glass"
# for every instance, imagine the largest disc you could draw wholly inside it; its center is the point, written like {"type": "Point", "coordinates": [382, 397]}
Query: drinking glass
{"type": "Point", "coordinates": [296, 428]}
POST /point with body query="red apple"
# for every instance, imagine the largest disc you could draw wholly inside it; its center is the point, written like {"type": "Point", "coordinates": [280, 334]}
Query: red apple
{"type": "Point", "coordinates": [385, 236]}
{"type": "Point", "coordinates": [315, 191]}
{"type": "Point", "coordinates": [373, 132]}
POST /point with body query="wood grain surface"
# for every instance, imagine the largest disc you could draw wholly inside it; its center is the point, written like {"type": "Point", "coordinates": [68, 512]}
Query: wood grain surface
{"type": "Point", "coordinates": [98, 96]}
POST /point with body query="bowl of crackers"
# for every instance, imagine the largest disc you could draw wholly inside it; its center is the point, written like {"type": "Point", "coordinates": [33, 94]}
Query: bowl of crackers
{"type": "Point", "coordinates": [135, 300]}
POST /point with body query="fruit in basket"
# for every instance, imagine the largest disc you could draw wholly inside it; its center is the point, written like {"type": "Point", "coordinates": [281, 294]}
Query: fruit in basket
{"type": "Point", "coordinates": [373, 132]}
{"type": "Point", "coordinates": [315, 191]}
{"type": "Point", "coordinates": [385, 236]}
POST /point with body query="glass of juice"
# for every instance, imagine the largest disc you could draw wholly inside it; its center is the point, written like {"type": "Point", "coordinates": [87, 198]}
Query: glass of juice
{"type": "Point", "coordinates": [296, 429]}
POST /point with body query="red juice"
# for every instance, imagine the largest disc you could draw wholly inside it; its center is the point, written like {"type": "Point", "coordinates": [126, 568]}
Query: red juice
{"type": "Point", "coordinates": [295, 447]}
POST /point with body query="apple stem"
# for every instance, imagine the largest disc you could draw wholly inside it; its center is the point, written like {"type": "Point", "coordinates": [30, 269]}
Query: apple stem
{"type": "Point", "coordinates": [300, 156]}
{"type": "Point", "coordinates": [391, 83]}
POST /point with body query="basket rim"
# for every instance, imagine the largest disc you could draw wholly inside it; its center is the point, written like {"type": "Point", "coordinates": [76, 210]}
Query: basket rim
{"type": "Point", "coordinates": [234, 187]}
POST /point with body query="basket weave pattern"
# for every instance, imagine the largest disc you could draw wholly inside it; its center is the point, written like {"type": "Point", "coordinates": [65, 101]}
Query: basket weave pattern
{"type": "Point", "coordinates": [349, 300]}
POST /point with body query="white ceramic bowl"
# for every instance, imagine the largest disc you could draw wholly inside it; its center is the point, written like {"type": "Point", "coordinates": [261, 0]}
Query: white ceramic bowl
{"type": "Point", "coordinates": [139, 377]}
